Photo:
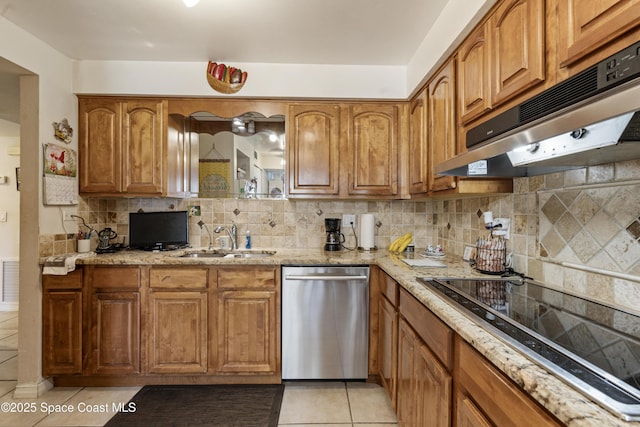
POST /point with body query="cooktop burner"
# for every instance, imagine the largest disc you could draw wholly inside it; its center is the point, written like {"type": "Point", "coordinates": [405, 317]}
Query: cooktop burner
{"type": "Point", "coordinates": [592, 346]}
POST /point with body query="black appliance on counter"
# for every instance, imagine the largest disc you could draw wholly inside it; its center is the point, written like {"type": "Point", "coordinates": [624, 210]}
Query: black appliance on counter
{"type": "Point", "coordinates": [158, 231]}
{"type": "Point", "coordinates": [335, 238]}
{"type": "Point", "coordinates": [595, 348]}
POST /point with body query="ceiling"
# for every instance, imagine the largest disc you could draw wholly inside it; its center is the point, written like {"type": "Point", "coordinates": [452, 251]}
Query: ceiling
{"type": "Point", "coordinates": [349, 32]}
{"type": "Point", "coordinates": [346, 32]}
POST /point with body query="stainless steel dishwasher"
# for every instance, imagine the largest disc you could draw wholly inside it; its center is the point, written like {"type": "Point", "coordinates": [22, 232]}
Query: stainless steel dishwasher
{"type": "Point", "coordinates": [325, 322]}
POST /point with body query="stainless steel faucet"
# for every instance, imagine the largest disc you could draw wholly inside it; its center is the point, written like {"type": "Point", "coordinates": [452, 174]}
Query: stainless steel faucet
{"type": "Point", "coordinates": [203, 225]}
{"type": "Point", "coordinates": [233, 234]}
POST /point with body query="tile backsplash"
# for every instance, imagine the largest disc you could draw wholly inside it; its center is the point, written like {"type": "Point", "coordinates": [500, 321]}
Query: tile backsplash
{"type": "Point", "coordinates": [578, 230]}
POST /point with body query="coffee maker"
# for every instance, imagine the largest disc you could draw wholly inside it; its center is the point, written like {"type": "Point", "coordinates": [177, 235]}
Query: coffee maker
{"type": "Point", "coordinates": [335, 238]}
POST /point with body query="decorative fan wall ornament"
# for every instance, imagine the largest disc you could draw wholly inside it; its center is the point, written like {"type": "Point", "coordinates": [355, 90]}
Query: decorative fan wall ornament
{"type": "Point", "coordinates": [225, 79]}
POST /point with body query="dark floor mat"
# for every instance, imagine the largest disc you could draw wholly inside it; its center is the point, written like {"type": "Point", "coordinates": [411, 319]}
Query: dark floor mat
{"type": "Point", "coordinates": [203, 405]}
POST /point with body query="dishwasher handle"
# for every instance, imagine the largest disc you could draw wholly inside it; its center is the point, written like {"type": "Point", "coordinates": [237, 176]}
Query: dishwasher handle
{"type": "Point", "coordinates": [325, 277]}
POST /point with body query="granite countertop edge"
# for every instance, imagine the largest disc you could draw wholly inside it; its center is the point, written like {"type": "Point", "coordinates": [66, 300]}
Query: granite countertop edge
{"type": "Point", "coordinates": [566, 403]}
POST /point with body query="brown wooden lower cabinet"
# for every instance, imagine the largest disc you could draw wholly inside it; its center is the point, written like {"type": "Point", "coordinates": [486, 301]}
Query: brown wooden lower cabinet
{"type": "Point", "coordinates": [62, 324]}
{"type": "Point", "coordinates": [115, 333]}
{"type": "Point", "coordinates": [433, 390]}
{"type": "Point", "coordinates": [247, 332]}
{"type": "Point", "coordinates": [487, 395]}
{"type": "Point", "coordinates": [177, 339]}
{"type": "Point", "coordinates": [441, 380]}
{"type": "Point", "coordinates": [424, 385]}
{"type": "Point", "coordinates": [388, 346]}
{"type": "Point", "coordinates": [468, 414]}
{"type": "Point", "coordinates": [119, 325]}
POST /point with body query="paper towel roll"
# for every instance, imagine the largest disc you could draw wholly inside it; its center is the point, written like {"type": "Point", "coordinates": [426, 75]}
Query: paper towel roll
{"type": "Point", "coordinates": [367, 231]}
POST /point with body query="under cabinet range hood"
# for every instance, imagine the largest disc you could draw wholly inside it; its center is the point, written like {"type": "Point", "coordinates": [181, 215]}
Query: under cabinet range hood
{"type": "Point", "coordinates": [589, 119]}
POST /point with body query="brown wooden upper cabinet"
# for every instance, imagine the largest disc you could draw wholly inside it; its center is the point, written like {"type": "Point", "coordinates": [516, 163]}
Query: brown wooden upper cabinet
{"type": "Point", "coordinates": [584, 27]}
{"type": "Point", "coordinates": [373, 150]}
{"type": "Point", "coordinates": [502, 58]}
{"type": "Point", "coordinates": [313, 143]}
{"type": "Point", "coordinates": [442, 129]}
{"type": "Point", "coordinates": [123, 147]}
{"type": "Point", "coordinates": [343, 150]}
{"type": "Point", "coordinates": [418, 145]}
{"type": "Point", "coordinates": [474, 81]}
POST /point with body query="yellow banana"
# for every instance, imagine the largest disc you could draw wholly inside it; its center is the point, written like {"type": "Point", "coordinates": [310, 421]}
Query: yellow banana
{"type": "Point", "coordinates": [396, 244]}
{"type": "Point", "coordinates": [403, 245]}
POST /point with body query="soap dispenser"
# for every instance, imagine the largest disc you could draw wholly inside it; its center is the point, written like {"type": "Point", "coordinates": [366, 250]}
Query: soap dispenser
{"type": "Point", "coordinates": [248, 245]}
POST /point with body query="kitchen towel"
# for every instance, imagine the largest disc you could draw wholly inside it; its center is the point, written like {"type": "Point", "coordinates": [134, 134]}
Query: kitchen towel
{"type": "Point", "coordinates": [367, 231]}
{"type": "Point", "coordinates": [62, 264]}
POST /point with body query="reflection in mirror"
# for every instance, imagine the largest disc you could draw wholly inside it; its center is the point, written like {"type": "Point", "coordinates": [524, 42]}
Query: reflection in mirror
{"type": "Point", "coordinates": [239, 157]}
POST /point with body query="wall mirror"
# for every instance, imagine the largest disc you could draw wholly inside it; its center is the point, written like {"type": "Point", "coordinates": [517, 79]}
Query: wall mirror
{"type": "Point", "coordinates": [238, 157]}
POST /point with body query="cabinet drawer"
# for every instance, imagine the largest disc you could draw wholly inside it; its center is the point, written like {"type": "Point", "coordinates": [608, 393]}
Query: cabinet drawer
{"type": "Point", "coordinates": [494, 393]}
{"type": "Point", "coordinates": [178, 278]}
{"type": "Point", "coordinates": [243, 277]}
{"type": "Point", "coordinates": [432, 330]}
{"type": "Point", "coordinates": [389, 288]}
{"type": "Point", "coordinates": [72, 280]}
{"type": "Point", "coordinates": [115, 277]}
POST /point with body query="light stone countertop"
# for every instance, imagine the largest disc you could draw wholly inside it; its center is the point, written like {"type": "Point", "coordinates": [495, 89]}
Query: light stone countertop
{"type": "Point", "coordinates": [566, 403]}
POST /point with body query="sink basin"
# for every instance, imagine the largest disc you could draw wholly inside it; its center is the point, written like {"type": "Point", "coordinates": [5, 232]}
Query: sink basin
{"type": "Point", "coordinates": [204, 255]}
{"type": "Point", "coordinates": [253, 254]}
{"type": "Point", "coordinates": [264, 254]}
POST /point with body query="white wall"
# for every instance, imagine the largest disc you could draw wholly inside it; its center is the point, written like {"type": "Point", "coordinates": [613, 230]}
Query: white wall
{"type": "Point", "coordinates": [49, 102]}
{"type": "Point", "coordinates": [56, 100]}
{"type": "Point", "coordinates": [9, 196]}
{"type": "Point", "coordinates": [264, 80]}
{"type": "Point", "coordinates": [290, 80]}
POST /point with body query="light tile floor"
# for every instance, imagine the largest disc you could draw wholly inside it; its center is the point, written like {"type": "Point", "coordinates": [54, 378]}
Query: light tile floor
{"type": "Point", "coordinates": [317, 404]}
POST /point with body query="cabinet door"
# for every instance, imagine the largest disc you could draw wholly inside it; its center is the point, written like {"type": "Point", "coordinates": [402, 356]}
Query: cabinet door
{"type": "Point", "coordinates": [468, 414]}
{"type": "Point", "coordinates": [406, 388]}
{"type": "Point", "coordinates": [177, 338]}
{"type": "Point", "coordinates": [433, 388]}
{"type": "Point", "coordinates": [418, 145]}
{"type": "Point", "coordinates": [518, 48]}
{"type": "Point", "coordinates": [314, 149]}
{"type": "Point", "coordinates": [247, 332]}
{"type": "Point", "coordinates": [99, 145]}
{"type": "Point", "coordinates": [474, 75]}
{"type": "Point", "coordinates": [143, 147]}
{"type": "Point", "coordinates": [62, 333]}
{"type": "Point", "coordinates": [373, 150]}
{"type": "Point", "coordinates": [585, 27]}
{"type": "Point", "coordinates": [442, 125]}
{"type": "Point", "coordinates": [115, 333]}
{"type": "Point", "coordinates": [388, 347]}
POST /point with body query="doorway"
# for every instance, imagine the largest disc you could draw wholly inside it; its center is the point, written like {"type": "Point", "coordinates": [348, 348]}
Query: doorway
{"type": "Point", "coordinates": [19, 90]}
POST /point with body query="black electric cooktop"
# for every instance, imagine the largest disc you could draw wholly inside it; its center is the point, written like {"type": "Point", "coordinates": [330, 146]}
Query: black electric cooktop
{"type": "Point", "coordinates": [594, 347]}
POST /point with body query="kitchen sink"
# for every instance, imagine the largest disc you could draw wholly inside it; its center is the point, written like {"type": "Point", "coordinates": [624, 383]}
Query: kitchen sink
{"type": "Point", "coordinates": [204, 255]}
{"type": "Point", "coordinates": [262, 254]}
{"type": "Point", "coordinates": [252, 254]}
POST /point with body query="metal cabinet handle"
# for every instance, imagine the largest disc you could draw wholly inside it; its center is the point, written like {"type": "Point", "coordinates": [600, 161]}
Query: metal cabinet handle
{"type": "Point", "coordinates": [324, 277]}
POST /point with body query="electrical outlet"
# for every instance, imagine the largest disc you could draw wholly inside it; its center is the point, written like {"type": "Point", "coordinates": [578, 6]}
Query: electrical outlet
{"type": "Point", "coordinates": [505, 230]}
{"type": "Point", "coordinates": [3, 216]}
{"type": "Point", "coordinates": [66, 216]}
{"type": "Point", "coordinates": [348, 219]}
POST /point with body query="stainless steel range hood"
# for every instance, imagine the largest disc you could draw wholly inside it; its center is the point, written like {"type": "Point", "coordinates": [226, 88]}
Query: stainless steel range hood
{"type": "Point", "coordinates": [587, 120]}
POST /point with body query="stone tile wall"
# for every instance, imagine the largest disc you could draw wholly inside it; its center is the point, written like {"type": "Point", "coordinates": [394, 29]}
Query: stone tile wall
{"type": "Point", "coordinates": [589, 218]}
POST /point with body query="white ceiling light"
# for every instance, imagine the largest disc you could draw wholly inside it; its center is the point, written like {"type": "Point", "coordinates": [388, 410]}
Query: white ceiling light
{"type": "Point", "coordinates": [190, 3]}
